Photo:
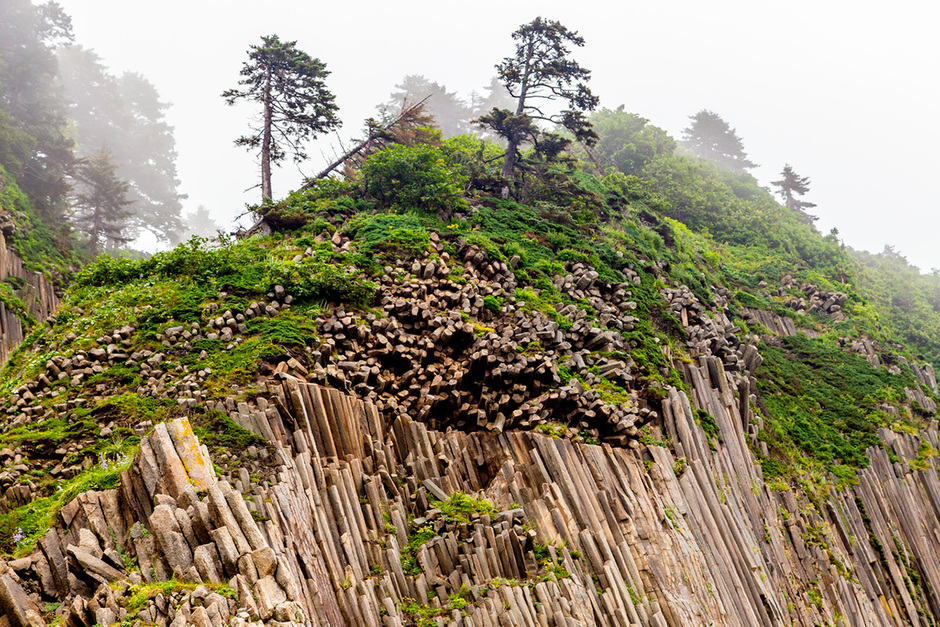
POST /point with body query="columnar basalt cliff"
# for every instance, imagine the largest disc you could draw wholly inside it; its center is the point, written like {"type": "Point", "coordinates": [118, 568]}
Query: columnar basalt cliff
{"type": "Point", "coordinates": [417, 467]}
{"type": "Point", "coordinates": [347, 525]}
{"type": "Point", "coordinates": [34, 292]}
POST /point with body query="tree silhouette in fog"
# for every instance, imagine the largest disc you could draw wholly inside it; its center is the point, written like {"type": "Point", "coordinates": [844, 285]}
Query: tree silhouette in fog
{"type": "Point", "coordinates": [791, 186]}
{"type": "Point", "coordinates": [710, 137]}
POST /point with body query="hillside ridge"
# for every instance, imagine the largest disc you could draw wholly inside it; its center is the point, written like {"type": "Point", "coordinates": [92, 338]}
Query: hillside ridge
{"type": "Point", "coordinates": [566, 411]}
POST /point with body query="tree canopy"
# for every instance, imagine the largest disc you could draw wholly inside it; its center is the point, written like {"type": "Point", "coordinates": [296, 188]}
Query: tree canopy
{"type": "Point", "coordinates": [627, 141]}
{"type": "Point", "coordinates": [33, 133]}
{"type": "Point", "coordinates": [296, 105]}
{"type": "Point", "coordinates": [126, 116]}
{"type": "Point", "coordinates": [710, 137]}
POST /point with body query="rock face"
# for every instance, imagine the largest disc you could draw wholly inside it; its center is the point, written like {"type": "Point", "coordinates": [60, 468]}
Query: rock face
{"type": "Point", "coordinates": [346, 528]}
{"type": "Point", "coordinates": [405, 479]}
{"type": "Point", "coordinates": [33, 289]}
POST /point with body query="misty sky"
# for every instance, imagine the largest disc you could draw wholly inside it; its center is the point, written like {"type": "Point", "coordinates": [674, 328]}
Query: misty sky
{"type": "Point", "coordinates": [846, 92]}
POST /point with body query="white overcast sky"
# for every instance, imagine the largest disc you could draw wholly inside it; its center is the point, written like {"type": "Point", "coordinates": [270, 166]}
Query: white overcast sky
{"type": "Point", "coordinates": [847, 92]}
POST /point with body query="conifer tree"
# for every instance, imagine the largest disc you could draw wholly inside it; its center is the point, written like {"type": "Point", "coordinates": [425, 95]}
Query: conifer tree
{"type": "Point", "coordinates": [710, 137]}
{"type": "Point", "coordinates": [295, 102]}
{"type": "Point", "coordinates": [34, 111]}
{"type": "Point", "coordinates": [541, 69]}
{"type": "Point", "coordinates": [125, 115]}
{"type": "Point", "coordinates": [791, 186]}
{"type": "Point", "coordinates": [100, 201]}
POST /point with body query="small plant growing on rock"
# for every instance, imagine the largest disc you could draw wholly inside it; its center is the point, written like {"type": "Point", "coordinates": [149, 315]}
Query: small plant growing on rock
{"type": "Point", "coordinates": [460, 507]}
{"type": "Point", "coordinates": [553, 429]}
{"type": "Point", "coordinates": [679, 467]}
{"type": "Point", "coordinates": [492, 303]}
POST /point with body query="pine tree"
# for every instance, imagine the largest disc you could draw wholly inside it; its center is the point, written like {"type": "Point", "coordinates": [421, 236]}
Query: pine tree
{"type": "Point", "coordinates": [792, 185]}
{"type": "Point", "coordinates": [125, 115]}
{"type": "Point", "coordinates": [33, 106]}
{"type": "Point", "coordinates": [710, 137]}
{"type": "Point", "coordinates": [101, 202]}
{"type": "Point", "coordinates": [541, 70]}
{"type": "Point", "coordinates": [295, 102]}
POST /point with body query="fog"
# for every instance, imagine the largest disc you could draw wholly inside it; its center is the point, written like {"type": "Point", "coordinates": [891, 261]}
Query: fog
{"type": "Point", "coordinates": [844, 92]}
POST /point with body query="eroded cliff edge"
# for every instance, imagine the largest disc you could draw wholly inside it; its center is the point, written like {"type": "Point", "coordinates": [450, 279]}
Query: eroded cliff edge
{"type": "Point", "coordinates": [461, 452]}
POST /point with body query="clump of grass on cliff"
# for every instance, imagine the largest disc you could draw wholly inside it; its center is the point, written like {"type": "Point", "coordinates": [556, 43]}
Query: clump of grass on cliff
{"type": "Point", "coordinates": [460, 507]}
{"type": "Point", "coordinates": [218, 431]}
{"type": "Point", "coordinates": [249, 268]}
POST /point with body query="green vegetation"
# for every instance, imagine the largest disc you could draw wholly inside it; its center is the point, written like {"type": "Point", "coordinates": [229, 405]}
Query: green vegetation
{"type": "Point", "coordinates": [823, 407]}
{"type": "Point", "coordinates": [549, 568]}
{"type": "Point", "coordinates": [492, 303]}
{"type": "Point", "coordinates": [41, 247]}
{"type": "Point", "coordinates": [900, 301]}
{"type": "Point", "coordinates": [391, 235]}
{"type": "Point", "coordinates": [552, 429]}
{"type": "Point", "coordinates": [21, 528]}
{"type": "Point", "coordinates": [709, 426]}
{"type": "Point", "coordinates": [423, 615]}
{"type": "Point", "coordinates": [461, 507]}
{"type": "Point", "coordinates": [217, 431]}
{"type": "Point", "coordinates": [409, 561]}
{"type": "Point", "coordinates": [141, 594]}
{"type": "Point", "coordinates": [244, 268]}
{"type": "Point", "coordinates": [924, 455]}
{"type": "Point", "coordinates": [414, 177]}
{"type": "Point", "coordinates": [14, 305]}
{"type": "Point", "coordinates": [609, 391]}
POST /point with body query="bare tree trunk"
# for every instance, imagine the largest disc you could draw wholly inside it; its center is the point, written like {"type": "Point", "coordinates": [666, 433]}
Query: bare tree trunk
{"type": "Point", "coordinates": [509, 164]}
{"type": "Point", "coordinates": [266, 192]}
{"type": "Point", "coordinates": [512, 150]}
{"type": "Point", "coordinates": [96, 231]}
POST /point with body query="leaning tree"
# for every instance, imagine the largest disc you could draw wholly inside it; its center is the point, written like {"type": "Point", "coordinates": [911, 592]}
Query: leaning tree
{"type": "Point", "coordinates": [540, 70]}
{"type": "Point", "coordinates": [296, 105]}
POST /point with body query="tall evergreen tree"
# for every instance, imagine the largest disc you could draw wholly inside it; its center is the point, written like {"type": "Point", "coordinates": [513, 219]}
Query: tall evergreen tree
{"type": "Point", "coordinates": [101, 202]}
{"type": "Point", "coordinates": [710, 137]}
{"type": "Point", "coordinates": [791, 186]}
{"type": "Point", "coordinates": [200, 223]}
{"type": "Point", "coordinates": [34, 107]}
{"type": "Point", "coordinates": [295, 102]}
{"type": "Point", "coordinates": [148, 159]}
{"type": "Point", "coordinates": [495, 96]}
{"type": "Point", "coordinates": [126, 116]}
{"type": "Point", "coordinates": [541, 69]}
